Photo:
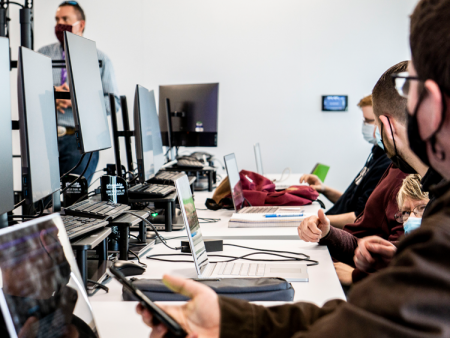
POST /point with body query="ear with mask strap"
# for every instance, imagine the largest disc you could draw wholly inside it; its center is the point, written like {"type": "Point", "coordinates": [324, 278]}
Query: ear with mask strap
{"type": "Point", "coordinates": [397, 159]}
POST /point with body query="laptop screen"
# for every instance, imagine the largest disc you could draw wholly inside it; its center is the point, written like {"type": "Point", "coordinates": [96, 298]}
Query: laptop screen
{"type": "Point", "coordinates": [235, 181]}
{"type": "Point", "coordinates": [259, 166]}
{"type": "Point", "coordinates": [192, 225]}
{"type": "Point", "coordinates": [41, 290]}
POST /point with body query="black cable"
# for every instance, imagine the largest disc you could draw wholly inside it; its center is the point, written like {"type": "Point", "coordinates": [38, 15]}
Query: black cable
{"type": "Point", "coordinates": [19, 204]}
{"type": "Point", "coordinates": [266, 250]}
{"type": "Point", "coordinates": [149, 223]}
{"type": "Point", "coordinates": [41, 202]}
{"type": "Point", "coordinates": [16, 3]}
{"type": "Point", "coordinates": [78, 178]}
{"type": "Point", "coordinates": [99, 285]}
{"type": "Point", "coordinates": [76, 166]}
{"type": "Point", "coordinates": [137, 257]}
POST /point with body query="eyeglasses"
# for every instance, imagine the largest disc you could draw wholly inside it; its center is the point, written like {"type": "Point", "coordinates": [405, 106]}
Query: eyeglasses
{"type": "Point", "coordinates": [402, 83]}
{"type": "Point", "coordinates": [402, 216]}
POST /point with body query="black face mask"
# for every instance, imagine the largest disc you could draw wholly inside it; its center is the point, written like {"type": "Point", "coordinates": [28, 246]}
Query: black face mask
{"type": "Point", "coordinates": [398, 160]}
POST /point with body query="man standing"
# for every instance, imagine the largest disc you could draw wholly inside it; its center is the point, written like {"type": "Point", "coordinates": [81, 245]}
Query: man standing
{"type": "Point", "coordinates": [70, 17]}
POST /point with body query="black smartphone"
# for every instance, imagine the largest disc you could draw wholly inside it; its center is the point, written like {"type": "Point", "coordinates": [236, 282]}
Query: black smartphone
{"type": "Point", "coordinates": [159, 316]}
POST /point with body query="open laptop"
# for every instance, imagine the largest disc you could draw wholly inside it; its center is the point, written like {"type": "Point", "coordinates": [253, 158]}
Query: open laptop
{"type": "Point", "coordinates": [238, 196]}
{"type": "Point", "coordinates": [42, 294]}
{"type": "Point", "coordinates": [260, 170]}
{"type": "Point", "coordinates": [293, 272]}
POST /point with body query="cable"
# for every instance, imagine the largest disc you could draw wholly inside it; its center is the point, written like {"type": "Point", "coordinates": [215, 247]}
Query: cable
{"type": "Point", "coordinates": [208, 220]}
{"type": "Point", "coordinates": [19, 204]}
{"type": "Point", "coordinates": [282, 174]}
{"type": "Point", "coordinates": [139, 261]}
{"type": "Point", "coordinates": [16, 3]}
{"type": "Point", "coordinates": [99, 285]}
{"type": "Point", "coordinates": [78, 178]}
{"type": "Point", "coordinates": [41, 202]}
{"type": "Point", "coordinates": [163, 240]}
{"type": "Point", "coordinates": [76, 166]}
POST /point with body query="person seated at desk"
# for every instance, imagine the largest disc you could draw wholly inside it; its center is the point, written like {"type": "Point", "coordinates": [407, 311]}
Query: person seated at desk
{"type": "Point", "coordinates": [351, 203]}
{"type": "Point", "coordinates": [378, 216]}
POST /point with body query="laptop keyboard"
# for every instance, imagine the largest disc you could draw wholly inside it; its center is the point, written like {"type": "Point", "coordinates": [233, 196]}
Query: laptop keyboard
{"type": "Point", "coordinates": [168, 175]}
{"type": "Point", "coordinates": [77, 226]}
{"type": "Point", "coordinates": [152, 190]}
{"type": "Point", "coordinates": [190, 163]}
{"type": "Point", "coordinates": [258, 210]}
{"type": "Point", "coordinates": [240, 269]}
{"type": "Point", "coordinates": [95, 209]}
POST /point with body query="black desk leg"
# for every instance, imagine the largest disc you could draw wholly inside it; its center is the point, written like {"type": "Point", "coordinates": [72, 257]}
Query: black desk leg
{"type": "Point", "coordinates": [82, 264]}
{"type": "Point", "coordinates": [124, 233]}
{"type": "Point", "coordinates": [168, 223]}
{"type": "Point", "coordinates": [210, 180]}
{"type": "Point", "coordinates": [102, 250]}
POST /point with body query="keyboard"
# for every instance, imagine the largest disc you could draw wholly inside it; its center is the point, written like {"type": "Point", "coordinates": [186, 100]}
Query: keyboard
{"type": "Point", "coordinates": [95, 209]}
{"type": "Point", "coordinates": [258, 210]}
{"type": "Point", "coordinates": [150, 190]}
{"type": "Point", "coordinates": [167, 177]}
{"type": "Point", "coordinates": [77, 226]}
{"type": "Point", "coordinates": [239, 269]}
{"type": "Point", "coordinates": [189, 163]}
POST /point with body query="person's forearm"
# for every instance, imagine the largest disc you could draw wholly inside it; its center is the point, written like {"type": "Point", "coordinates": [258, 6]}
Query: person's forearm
{"type": "Point", "coordinates": [341, 245]}
{"type": "Point", "coordinates": [332, 194]}
{"type": "Point", "coordinates": [241, 319]}
{"type": "Point", "coordinates": [339, 221]}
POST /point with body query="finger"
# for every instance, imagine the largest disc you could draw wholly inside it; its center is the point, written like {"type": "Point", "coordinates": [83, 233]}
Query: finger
{"type": "Point", "coordinates": [30, 328]}
{"type": "Point", "coordinates": [383, 250]}
{"type": "Point", "coordinates": [65, 86]}
{"type": "Point", "coordinates": [62, 111]}
{"type": "Point", "coordinates": [364, 252]}
{"type": "Point", "coordinates": [322, 218]}
{"type": "Point", "coordinates": [307, 236]}
{"type": "Point", "coordinates": [186, 287]}
{"type": "Point", "coordinates": [303, 178]}
{"type": "Point", "coordinates": [158, 331]}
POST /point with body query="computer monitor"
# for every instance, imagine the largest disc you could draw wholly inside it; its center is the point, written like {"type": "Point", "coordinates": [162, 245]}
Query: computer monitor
{"type": "Point", "coordinates": [42, 293]}
{"type": "Point", "coordinates": [234, 179]}
{"type": "Point", "coordinates": [194, 114]}
{"type": "Point", "coordinates": [6, 165]}
{"type": "Point", "coordinates": [149, 152]}
{"type": "Point", "coordinates": [37, 122]}
{"type": "Point", "coordinates": [86, 94]}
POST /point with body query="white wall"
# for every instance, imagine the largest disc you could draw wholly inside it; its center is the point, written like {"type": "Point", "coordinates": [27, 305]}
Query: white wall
{"type": "Point", "coordinates": [273, 58]}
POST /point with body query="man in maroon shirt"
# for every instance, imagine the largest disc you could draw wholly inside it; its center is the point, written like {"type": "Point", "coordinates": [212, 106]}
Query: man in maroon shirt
{"type": "Point", "coordinates": [378, 215]}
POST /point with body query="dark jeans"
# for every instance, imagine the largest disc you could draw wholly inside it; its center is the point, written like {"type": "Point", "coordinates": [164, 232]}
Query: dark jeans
{"type": "Point", "coordinates": [69, 156]}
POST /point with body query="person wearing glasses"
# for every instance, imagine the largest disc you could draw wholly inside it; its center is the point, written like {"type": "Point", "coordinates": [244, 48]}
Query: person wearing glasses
{"type": "Point", "coordinates": [350, 204]}
{"type": "Point", "coordinates": [71, 17]}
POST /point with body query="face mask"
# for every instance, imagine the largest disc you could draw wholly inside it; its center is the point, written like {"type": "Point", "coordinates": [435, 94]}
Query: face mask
{"type": "Point", "coordinates": [378, 138]}
{"type": "Point", "coordinates": [398, 160]}
{"type": "Point", "coordinates": [367, 131]}
{"type": "Point", "coordinates": [411, 224]}
{"type": "Point", "coordinates": [60, 29]}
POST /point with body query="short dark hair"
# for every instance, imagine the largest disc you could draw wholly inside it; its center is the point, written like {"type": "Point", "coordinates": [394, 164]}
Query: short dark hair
{"type": "Point", "coordinates": [76, 7]}
{"type": "Point", "coordinates": [430, 42]}
{"type": "Point", "coordinates": [386, 99]}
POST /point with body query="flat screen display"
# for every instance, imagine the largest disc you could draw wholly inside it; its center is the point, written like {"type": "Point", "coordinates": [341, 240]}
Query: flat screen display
{"type": "Point", "coordinates": [37, 120]}
{"type": "Point", "coordinates": [42, 294]}
{"type": "Point", "coordinates": [334, 103]}
{"type": "Point", "coordinates": [86, 90]}
{"type": "Point", "coordinates": [6, 165]}
{"type": "Point", "coordinates": [237, 193]}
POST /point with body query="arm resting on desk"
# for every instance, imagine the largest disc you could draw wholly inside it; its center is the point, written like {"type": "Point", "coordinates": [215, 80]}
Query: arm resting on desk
{"type": "Point", "coordinates": [339, 221]}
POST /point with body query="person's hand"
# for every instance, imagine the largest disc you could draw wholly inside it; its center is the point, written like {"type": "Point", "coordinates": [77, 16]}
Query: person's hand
{"type": "Point", "coordinates": [313, 228]}
{"type": "Point", "coordinates": [30, 329]}
{"type": "Point", "coordinates": [61, 104]}
{"type": "Point", "coordinates": [200, 317]}
{"type": "Point", "coordinates": [373, 253]}
{"type": "Point", "coordinates": [313, 181]}
{"type": "Point", "coordinates": [344, 273]}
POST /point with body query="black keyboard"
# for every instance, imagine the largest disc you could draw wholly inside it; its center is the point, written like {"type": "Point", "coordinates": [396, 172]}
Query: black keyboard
{"type": "Point", "coordinates": [167, 177]}
{"type": "Point", "coordinates": [95, 209]}
{"type": "Point", "coordinates": [150, 190]}
{"type": "Point", "coordinates": [189, 163]}
{"type": "Point", "coordinates": [77, 226]}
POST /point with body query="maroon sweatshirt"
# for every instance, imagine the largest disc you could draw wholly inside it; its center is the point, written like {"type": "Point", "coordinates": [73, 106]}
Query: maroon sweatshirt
{"type": "Point", "coordinates": [376, 219]}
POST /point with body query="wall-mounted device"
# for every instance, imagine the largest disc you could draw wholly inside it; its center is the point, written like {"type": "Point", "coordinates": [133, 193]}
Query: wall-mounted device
{"type": "Point", "coordinates": [334, 103]}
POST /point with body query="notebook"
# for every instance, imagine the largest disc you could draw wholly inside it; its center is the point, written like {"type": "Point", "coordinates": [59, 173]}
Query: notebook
{"type": "Point", "coordinates": [292, 272]}
{"type": "Point", "coordinates": [260, 221]}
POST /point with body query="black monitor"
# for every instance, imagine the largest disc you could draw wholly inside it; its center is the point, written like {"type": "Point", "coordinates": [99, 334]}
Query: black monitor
{"type": "Point", "coordinates": [6, 165]}
{"type": "Point", "coordinates": [86, 93]}
{"type": "Point", "coordinates": [149, 152]}
{"type": "Point", "coordinates": [37, 122]}
{"type": "Point", "coordinates": [194, 114]}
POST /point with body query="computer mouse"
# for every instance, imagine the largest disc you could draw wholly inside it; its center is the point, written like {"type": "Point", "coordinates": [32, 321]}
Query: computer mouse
{"type": "Point", "coordinates": [128, 268]}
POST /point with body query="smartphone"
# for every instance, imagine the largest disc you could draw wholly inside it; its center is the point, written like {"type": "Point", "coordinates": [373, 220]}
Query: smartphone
{"type": "Point", "coordinates": [159, 316]}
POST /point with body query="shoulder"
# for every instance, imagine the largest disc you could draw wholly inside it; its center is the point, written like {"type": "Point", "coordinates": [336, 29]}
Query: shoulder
{"type": "Point", "coordinates": [103, 56]}
{"type": "Point", "coordinates": [50, 49]}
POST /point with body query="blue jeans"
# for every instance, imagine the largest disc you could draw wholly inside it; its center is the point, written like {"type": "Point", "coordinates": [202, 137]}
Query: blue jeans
{"type": "Point", "coordinates": [69, 156]}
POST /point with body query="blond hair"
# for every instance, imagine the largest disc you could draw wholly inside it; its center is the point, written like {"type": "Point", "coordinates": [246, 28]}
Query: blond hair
{"type": "Point", "coordinates": [366, 101]}
{"type": "Point", "coordinates": [411, 188]}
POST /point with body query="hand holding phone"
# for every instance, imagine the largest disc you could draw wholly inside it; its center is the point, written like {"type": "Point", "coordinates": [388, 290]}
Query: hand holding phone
{"type": "Point", "coordinates": [159, 316]}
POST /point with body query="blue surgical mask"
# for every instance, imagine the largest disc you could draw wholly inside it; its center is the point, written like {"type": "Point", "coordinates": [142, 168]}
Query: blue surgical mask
{"type": "Point", "coordinates": [379, 140]}
{"type": "Point", "coordinates": [367, 131]}
{"type": "Point", "coordinates": [412, 224]}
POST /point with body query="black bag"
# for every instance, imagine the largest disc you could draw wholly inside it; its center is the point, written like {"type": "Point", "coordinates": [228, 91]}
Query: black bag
{"type": "Point", "coordinates": [251, 289]}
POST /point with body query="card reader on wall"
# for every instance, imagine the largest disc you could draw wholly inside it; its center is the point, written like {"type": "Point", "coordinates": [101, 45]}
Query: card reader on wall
{"type": "Point", "coordinates": [211, 245]}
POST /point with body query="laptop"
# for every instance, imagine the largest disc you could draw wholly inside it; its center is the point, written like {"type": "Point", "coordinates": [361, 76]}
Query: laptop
{"type": "Point", "coordinates": [42, 294]}
{"type": "Point", "coordinates": [259, 167]}
{"type": "Point", "coordinates": [238, 196]}
{"type": "Point", "coordinates": [293, 272]}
